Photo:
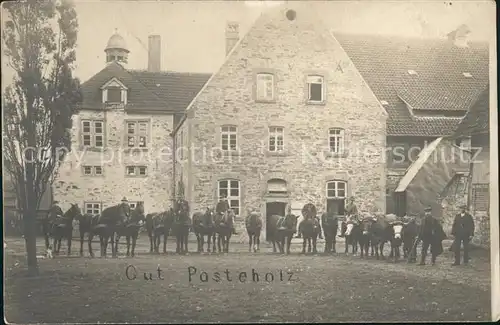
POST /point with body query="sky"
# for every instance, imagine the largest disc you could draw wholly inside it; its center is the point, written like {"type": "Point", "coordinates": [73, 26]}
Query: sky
{"type": "Point", "coordinates": [192, 32]}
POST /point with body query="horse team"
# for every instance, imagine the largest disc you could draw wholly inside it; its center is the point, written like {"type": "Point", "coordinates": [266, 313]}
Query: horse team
{"type": "Point", "coordinates": [368, 231]}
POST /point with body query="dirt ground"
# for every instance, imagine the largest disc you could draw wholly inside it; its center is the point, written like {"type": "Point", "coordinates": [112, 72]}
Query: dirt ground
{"type": "Point", "coordinates": [312, 288]}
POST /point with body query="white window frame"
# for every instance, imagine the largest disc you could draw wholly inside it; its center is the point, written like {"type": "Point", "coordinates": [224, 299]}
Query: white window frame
{"type": "Point", "coordinates": [95, 206]}
{"type": "Point", "coordinates": [114, 83]}
{"type": "Point", "coordinates": [93, 170]}
{"type": "Point", "coordinates": [136, 170]}
{"type": "Point", "coordinates": [92, 127]}
{"type": "Point", "coordinates": [229, 196]}
{"type": "Point", "coordinates": [336, 189]}
{"type": "Point", "coordinates": [264, 86]}
{"type": "Point", "coordinates": [337, 135]}
{"type": "Point", "coordinates": [137, 134]}
{"type": "Point", "coordinates": [274, 133]}
{"type": "Point", "coordinates": [228, 133]}
{"type": "Point", "coordinates": [309, 86]}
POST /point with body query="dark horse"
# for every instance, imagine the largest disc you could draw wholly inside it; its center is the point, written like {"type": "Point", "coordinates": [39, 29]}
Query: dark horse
{"type": "Point", "coordinates": [158, 225]}
{"type": "Point", "coordinates": [203, 225]}
{"type": "Point", "coordinates": [253, 223]}
{"type": "Point", "coordinates": [330, 227]}
{"type": "Point", "coordinates": [281, 230]}
{"type": "Point", "coordinates": [409, 235]}
{"type": "Point", "coordinates": [181, 226]}
{"type": "Point", "coordinates": [109, 221]}
{"type": "Point", "coordinates": [223, 230]}
{"type": "Point", "coordinates": [352, 235]}
{"type": "Point", "coordinates": [310, 230]}
{"type": "Point", "coordinates": [365, 235]}
{"type": "Point", "coordinates": [130, 229]}
{"type": "Point", "coordinates": [380, 233]}
{"type": "Point", "coordinates": [62, 227]}
{"type": "Point", "coordinates": [86, 224]}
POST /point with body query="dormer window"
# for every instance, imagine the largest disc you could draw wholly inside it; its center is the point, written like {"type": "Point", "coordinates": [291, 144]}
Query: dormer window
{"type": "Point", "coordinates": [114, 93]}
{"type": "Point", "coordinates": [467, 75]}
{"type": "Point", "coordinates": [412, 72]}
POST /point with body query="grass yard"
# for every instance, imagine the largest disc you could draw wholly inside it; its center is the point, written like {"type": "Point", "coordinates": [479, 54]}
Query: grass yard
{"type": "Point", "coordinates": [322, 289]}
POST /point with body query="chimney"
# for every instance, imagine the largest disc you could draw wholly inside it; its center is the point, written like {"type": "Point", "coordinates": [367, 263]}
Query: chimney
{"type": "Point", "coordinates": [460, 36]}
{"type": "Point", "coordinates": [154, 53]}
{"type": "Point", "coordinates": [232, 35]}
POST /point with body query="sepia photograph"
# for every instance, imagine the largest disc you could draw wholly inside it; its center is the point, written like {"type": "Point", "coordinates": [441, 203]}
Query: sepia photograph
{"type": "Point", "coordinates": [249, 161]}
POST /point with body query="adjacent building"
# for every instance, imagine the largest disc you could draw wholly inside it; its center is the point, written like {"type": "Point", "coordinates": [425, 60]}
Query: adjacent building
{"type": "Point", "coordinates": [476, 125]}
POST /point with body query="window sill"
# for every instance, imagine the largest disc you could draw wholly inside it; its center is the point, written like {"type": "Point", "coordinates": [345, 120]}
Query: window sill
{"type": "Point", "coordinates": [266, 101]}
{"type": "Point", "coordinates": [231, 153]}
{"type": "Point", "coordinates": [93, 176]}
{"type": "Point", "coordinates": [276, 153]}
{"type": "Point", "coordinates": [140, 149]}
{"type": "Point", "coordinates": [312, 102]}
{"type": "Point", "coordinates": [329, 154]}
{"type": "Point", "coordinates": [95, 149]}
{"type": "Point", "coordinates": [136, 176]}
{"type": "Point", "coordinates": [117, 105]}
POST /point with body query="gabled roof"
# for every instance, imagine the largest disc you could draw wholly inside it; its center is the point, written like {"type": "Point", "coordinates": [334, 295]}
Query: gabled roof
{"type": "Point", "coordinates": [156, 91]}
{"type": "Point", "coordinates": [477, 120]}
{"type": "Point", "coordinates": [439, 84]}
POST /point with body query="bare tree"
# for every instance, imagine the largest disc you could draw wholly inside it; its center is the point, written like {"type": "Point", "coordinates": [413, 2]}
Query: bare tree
{"type": "Point", "coordinates": [39, 44]}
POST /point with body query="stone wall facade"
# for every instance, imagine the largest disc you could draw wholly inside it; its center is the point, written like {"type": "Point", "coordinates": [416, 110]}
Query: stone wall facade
{"type": "Point", "coordinates": [154, 189]}
{"type": "Point", "coordinates": [289, 50]}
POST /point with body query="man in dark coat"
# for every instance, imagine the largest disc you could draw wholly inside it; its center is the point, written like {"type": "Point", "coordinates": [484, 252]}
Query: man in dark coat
{"type": "Point", "coordinates": [55, 211]}
{"type": "Point", "coordinates": [351, 210]}
{"type": "Point", "coordinates": [432, 235]}
{"type": "Point", "coordinates": [463, 231]}
{"type": "Point", "coordinates": [125, 208]}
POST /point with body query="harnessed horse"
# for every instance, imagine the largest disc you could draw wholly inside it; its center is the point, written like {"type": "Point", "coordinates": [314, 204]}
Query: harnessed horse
{"type": "Point", "coordinates": [223, 230]}
{"type": "Point", "coordinates": [62, 227]}
{"type": "Point", "coordinates": [253, 223]}
{"type": "Point", "coordinates": [203, 225]}
{"type": "Point", "coordinates": [181, 226]}
{"type": "Point", "coordinates": [310, 228]}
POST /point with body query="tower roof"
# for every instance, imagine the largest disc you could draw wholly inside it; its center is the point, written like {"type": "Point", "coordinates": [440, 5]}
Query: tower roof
{"type": "Point", "coordinates": [116, 41]}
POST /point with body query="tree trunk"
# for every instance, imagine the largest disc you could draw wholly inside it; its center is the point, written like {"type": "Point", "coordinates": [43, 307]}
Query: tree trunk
{"type": "Point", "coordinates": [30, 238]}
{"type": "Point", "coordinates": [30, 221]}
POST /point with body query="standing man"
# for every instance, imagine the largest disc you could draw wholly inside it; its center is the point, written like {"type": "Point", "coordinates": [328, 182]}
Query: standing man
{"type": "Point", "coordinates": [463, 231]}
{"type": "Point", "coordinates": [351, 210]}
{"type": "Point", "coordinates": [431, 234]}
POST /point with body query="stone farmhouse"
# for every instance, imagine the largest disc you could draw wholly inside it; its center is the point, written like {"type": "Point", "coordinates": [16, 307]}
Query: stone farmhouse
{"type": "Point", "coordinates": [296, 114]}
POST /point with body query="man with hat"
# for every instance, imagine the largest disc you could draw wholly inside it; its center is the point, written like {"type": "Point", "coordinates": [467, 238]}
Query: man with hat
{"type": "Point", "coordinates": [351, 210]}
{"type": "Point", "coordinates": [125, 208]}
{"type": "Point", "coordinates": [463, 231]}
{"type": "Point", "coordinates": [431, 234]}
{"type": "Point", "coordinates": [55, 211]}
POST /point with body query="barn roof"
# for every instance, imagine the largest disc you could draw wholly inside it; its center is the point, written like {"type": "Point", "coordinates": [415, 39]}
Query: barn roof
{"type": "Point", "coordinates": [477, 120]}
{"type": "Point", "coordinates": [445, 78]}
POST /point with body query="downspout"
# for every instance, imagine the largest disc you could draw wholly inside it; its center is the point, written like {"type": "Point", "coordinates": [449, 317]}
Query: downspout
{"type": "Point", "coordinates": [174, 159]}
